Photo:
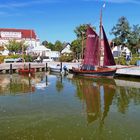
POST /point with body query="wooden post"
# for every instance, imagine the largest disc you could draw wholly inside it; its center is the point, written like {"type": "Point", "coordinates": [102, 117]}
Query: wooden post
{"type": "Point", "coordinates": [46, 80]}
{"type": "Point", "coordinates": [61, 67]}
{"type": "Point", "coordinates": [46, 67]}
{"type": "Point", "coordinates": [11, 71]}
{"type": "Point", "coordinates": [29, 69]}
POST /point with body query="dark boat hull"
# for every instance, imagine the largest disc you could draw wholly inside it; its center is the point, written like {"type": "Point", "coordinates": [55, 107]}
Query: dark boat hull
{"type": "Point", "coordinates": [100, 72]}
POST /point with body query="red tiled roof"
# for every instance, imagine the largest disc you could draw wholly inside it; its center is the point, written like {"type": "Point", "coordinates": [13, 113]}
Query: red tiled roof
{"type": "Point", "coordinates": [25, 33]}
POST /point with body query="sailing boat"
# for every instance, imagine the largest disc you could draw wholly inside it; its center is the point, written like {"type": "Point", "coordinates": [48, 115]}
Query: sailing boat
{"type": "Point", "coordinates": [91, 65]}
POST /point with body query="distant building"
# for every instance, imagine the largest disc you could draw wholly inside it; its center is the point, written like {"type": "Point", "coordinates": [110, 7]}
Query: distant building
{"type": "Point", "coordinates": [55, 55]}
{"type": "Point", "coordinates": [121, 51]}
{"type": "Point", "coordinates": [29, 36]}
{"type": "Point", "coordinates": [66, 49]}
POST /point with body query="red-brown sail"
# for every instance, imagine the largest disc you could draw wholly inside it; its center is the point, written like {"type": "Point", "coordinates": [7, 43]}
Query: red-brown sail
{"type": "Point", "coordinates": [92, 48]}
{"type": "Point", "coordinates": [108, 56]}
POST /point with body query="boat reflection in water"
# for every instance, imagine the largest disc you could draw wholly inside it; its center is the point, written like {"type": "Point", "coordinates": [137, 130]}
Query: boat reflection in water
{"type": "Point", "coordinates": [99, 94]}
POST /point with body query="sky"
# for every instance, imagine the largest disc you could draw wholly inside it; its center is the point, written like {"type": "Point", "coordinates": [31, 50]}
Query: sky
{"type": "Point", "coordinates": [55, 20]}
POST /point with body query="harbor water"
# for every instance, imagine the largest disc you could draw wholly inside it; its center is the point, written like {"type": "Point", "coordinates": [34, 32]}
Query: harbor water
{"type": "Point", "coordinates": [54, 107]}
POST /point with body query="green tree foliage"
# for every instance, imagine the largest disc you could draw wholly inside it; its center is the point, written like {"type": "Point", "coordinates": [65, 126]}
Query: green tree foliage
{"type": "Point", "coordinates": [134, 38]}
{"type": "Point", "coordinates": [58, 46]}
{"type": "Point", "coordinates": [45, 43]}
{"type": "Point", "coordinates": [16, 47]}
{"type": "Point", "coordinates": [76, 48]}
{"type": "Point", "coordinates": [77, 44]}
{"type": "Point", "coordinates": [81, 31]}
{"type": "Point", "coordinates": [124, 34]}
{"type": "Point", "coordinates": [66, 58]}
{"type": "Point", "coordinates": [121, 31]}
{"type": "Point", "coordinates": [51, 46]}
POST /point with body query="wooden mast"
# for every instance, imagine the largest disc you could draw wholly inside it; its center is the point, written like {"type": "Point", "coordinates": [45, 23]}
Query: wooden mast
{"type": "Point", "coordinates": [100, 37]}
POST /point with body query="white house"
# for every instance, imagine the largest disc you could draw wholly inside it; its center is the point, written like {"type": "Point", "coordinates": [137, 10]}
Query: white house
{"type": "Point", "coordinates": [40, 50]}
{"type": "Point", "coordinates": [121, 51]}
{"type": "Point", "coordinates": [55, 55]}
{"type": "Point", "coordinates": [66, 49]}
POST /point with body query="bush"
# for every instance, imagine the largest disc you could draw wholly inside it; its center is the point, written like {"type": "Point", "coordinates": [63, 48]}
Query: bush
{"type": "Point", "coordinates": [120, 60]}
{"type": "Point", "coordinates": [2, 58]}
{"type": "Point", "coordinates": [134, 60]}
{"type": "Point", "coordinates": [28, 58]}
{"type": "Point", "coordinates": [14, 56]}
{"type": "Point", "coordinates": [66, 58]}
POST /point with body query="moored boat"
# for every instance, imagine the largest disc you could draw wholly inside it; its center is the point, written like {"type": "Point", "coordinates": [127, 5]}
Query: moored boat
{"type": "Point", "coordinates": [92, 64]}
{"type": "Point", "coordinates": [26, 71]}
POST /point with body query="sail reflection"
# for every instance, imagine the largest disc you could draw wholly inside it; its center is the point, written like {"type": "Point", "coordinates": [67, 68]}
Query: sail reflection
{"type": "Point", "coordinates": [97, 95]}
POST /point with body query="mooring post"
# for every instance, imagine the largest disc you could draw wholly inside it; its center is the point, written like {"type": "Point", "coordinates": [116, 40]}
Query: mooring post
{"type": "Point", "coordinates": [29, 69]}
{"type": "Point", "coordinates": [46, 67]}
{"type": "Point", "coordinates": [46, 80]}
{"type": "Point", "coordinates": [61, 67]}
{"type": "Point", "coordinates": [11, 71]}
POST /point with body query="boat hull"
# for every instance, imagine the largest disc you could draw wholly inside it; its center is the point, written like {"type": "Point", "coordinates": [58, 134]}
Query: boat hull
{"type": "Point", "coordinates": [26, 71]}
{"type": "Point", "coordinates": [100, 72]}
{"type": "Point", "coordinates": [55, 70]}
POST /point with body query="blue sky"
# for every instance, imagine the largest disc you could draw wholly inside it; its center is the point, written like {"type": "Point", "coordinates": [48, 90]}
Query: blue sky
{"type": "Point", "coordinates": [56, 19]}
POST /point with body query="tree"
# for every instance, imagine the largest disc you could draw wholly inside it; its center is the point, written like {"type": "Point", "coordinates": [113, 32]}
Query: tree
{"type": "Point", "coordinates": [58, 46]}
{"type": "Point", "coordinates": [134, 38]}
{"type": "Point", "coordinates": [121, 31]}
{"type": "Point", "coordinates": [76, 48]}
{"type": "Point", "coordinates": [45, 43]}
{"type": "Point", "coordinates": [51, 46]}
{"type": "Point", "coordinates": [80, 31]}
{"type": "Point", "coordinates": [16, 47]}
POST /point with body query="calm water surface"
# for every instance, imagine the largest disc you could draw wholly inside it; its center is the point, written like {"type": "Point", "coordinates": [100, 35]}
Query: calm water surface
{"type": "Point", "coordinates": [51, 107]}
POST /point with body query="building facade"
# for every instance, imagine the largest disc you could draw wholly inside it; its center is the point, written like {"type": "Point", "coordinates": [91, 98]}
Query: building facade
{"type": "Point", "coordinates": [28, 36]}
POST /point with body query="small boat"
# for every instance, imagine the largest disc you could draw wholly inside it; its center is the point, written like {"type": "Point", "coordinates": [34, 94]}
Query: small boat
{"type": "Point", "coordinates": [55, 69]}
{"type": "Point", "coordinates": [26, 71]}
{"type": "Point", "coordinates": [97, 62]}
{"type": "Point", "coordinates": [58, 69]}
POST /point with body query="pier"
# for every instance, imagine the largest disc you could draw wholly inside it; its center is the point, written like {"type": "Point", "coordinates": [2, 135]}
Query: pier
{"type": "Point", "coordinates": [8, 67]}
{"type": "Point", "coordinates": [133, 71]}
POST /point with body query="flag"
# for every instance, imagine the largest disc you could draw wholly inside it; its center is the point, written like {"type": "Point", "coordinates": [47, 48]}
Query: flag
{"type": "Point", "coordinates": [104, 5]}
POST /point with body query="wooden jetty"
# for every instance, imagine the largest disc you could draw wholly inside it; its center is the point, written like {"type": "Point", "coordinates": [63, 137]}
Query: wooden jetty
{"type": "Point", "coordinates": [8, 67]}
{"type": "Point", "coordinates": [133, 71]}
